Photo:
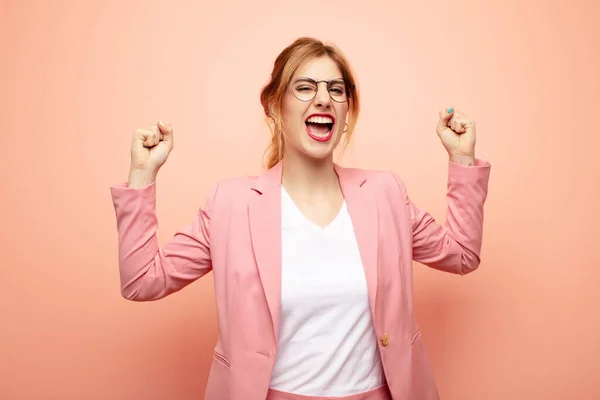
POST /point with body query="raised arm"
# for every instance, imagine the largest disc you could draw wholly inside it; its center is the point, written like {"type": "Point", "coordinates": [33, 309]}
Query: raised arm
{"type": "Point", "coordinates": [456, 246]}
{"type": "Point", "coordinates": [147, 271]}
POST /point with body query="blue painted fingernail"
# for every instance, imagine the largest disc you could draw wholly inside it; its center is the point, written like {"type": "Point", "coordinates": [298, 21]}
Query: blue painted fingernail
{"type": "Point", "coordinates": [450, 110]}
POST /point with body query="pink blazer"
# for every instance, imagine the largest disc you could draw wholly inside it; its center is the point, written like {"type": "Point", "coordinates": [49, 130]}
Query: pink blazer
{"type": "Point", "coordinates": [237, 236]}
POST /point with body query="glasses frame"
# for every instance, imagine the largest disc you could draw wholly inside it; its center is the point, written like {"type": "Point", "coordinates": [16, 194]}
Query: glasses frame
{"type": "Point", "coordinates": [349, 88]}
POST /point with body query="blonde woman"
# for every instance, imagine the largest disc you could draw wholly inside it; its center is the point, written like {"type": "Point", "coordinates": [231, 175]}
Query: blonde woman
{"type": "Point", "coordinates": [312, 262]}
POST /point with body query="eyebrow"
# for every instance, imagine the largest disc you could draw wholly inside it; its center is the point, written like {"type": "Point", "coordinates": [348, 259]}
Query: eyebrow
{"type": "Point", "coordinates": [307, 79]}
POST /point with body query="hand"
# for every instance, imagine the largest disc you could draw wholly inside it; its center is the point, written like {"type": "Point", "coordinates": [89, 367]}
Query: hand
{"type": "Point", "coordinates": [151, 146]}
{"type": "Point", "coordinates": [457, 133]}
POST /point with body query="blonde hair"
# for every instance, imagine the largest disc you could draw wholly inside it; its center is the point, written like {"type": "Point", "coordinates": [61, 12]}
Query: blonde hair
{"type": "Point", "coordinates": [286, 64]}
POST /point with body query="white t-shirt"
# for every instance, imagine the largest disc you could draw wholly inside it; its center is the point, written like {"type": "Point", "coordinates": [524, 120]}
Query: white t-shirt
{"type": "Point", "coordinates": [327, 343]}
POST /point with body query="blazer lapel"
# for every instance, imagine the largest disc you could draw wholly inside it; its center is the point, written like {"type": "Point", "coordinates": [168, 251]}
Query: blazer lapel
{"type": "Point", "coordinates": [363, 212]}
{"type": "Point", "coordinates": [265, 229]}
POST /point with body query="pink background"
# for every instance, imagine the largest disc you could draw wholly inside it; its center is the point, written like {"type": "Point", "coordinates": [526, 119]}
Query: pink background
{"type": "Point", "coordinates": [77, 77]}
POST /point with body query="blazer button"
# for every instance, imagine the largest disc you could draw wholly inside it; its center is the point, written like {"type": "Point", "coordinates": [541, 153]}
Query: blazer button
{"type": "Point", "coordinates": [384, 340]}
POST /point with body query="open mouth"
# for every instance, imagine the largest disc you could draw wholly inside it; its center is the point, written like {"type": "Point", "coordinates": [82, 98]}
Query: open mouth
{"type": "Point", "coordinates": [320, 127]}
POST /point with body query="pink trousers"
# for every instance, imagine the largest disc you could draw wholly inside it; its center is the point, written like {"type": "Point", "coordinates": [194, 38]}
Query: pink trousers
{"type": "Point", "coordinates": [381, 393]}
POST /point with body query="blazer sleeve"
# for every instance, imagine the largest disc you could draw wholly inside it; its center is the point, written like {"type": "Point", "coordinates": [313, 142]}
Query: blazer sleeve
{"type": "Point", "coordinates": [455, 246]}
{"type": "Point", "coordinates": [147, 271]}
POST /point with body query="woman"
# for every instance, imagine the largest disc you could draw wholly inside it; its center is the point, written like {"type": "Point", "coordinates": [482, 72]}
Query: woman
{"type": "Point", "coordinates": [312, 261]}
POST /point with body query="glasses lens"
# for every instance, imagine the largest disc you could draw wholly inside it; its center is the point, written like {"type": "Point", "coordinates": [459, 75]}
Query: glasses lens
{"type": "Point", "coordinates": [337, 91]}
{"type": "Point", "coordinates": [305, 89]}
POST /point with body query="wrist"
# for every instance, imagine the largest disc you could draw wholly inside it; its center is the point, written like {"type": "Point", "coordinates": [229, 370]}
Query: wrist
{"type": "Point", "coordinates": [139, 178]}
{"type": "Point", "coordinates": [463, 159]}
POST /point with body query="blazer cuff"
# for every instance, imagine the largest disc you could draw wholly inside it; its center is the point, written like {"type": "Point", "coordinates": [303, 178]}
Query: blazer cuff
{"type": "Point", "coordinates": [473, 178]}
{"type": "Point", "coordinates": [124, 189]}
{"type": "Point", "coordinates": [124, 196]}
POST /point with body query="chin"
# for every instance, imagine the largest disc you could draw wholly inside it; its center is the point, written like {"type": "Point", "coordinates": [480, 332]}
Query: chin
{"type": "Point", "coordinates": [319, 150]}
{"type": "Point", "coordinates": [318, 156]}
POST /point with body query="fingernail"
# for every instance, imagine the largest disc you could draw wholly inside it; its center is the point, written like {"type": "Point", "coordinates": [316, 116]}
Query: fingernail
{"type": "Point", "coordinates": [450, 110]}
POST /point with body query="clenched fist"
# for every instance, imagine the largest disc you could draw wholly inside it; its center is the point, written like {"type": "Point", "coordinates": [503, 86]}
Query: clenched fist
{"type": "Point", "coordinates": [457, 133]}
{"type": "Point", "coordinates": [150, 148]}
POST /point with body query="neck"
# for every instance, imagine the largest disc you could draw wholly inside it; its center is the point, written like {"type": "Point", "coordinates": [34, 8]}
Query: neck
{"type": "Point", "coordinates": [309, 177]}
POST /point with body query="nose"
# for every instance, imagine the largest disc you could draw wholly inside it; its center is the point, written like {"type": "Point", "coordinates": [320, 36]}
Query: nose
{"type": "Point", "coordinates": [322, 98]}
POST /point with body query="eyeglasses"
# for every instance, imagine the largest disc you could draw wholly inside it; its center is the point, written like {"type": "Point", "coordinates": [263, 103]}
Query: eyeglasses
{"type": "Point", "coordinates": [305, 89]}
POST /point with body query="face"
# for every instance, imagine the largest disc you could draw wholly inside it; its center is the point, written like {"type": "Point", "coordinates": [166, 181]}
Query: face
{"type": "Point", "coordinates": [313, 126]}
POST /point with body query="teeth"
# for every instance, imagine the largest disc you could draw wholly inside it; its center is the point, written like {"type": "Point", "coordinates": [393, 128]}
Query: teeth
{"type": "Point", "coordinates": [320, 120]}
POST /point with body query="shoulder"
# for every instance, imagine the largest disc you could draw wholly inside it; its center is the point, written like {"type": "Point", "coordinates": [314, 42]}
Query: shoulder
{"type": "Point", "coordinates": [376, 180]}
{"type": "Point", "coordinates": [233, 186]}
{"type": "Point", "coordinates": [237, 184]}
{"type": "Point", "coordinates": [232, 190]}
